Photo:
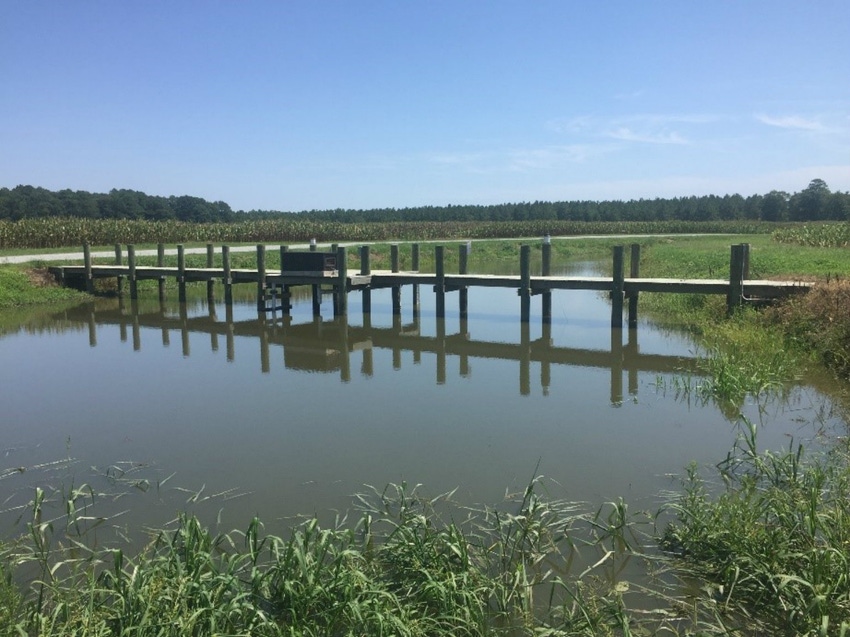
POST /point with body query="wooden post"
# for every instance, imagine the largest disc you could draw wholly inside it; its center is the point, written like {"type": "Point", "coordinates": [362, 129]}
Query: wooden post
{"type": "Point", "coordinates": [745, 274]}
{"type": "Point", "coordinates": [440, 288]}
{"type": "Point", "coordinates": [228, 280]}
{"type": "Point", "coordinates": [525, 283]}
{"type": "Point", "coordinates": [181, 273]}
{"type": "Point", "coordinates": [261, 277]}
{"type": "Point", "coordinates": [396, 289]}
{"type": "Point", "coordinates": [87, 262]}
{"type": "Point", "coordinates": [119, 280]}
{"type": "Point", "coordinates": [617, 286]}
{"type": "Point", "coordinates": [341, 287]}
{"type": "Point", "coordinates": [313, 245]}
{"type": "Point", "coordinates": [463, 291]}
{"type": "Point", "coordinates": [210, 283]}
{"type": "Point", "coordinates": [131, 263]}
{"type": "Point", "coordinates": [634, 272]}
{"type": "Point", "coordinates": [734, 297]}
{"type": "Point", "coordinates": [365, 269]}
{"type": "Point", "coordinates": [414, 266]}
{"type": "Point", "coordinates": [285, 296]}
{"type": "Point", "coordinates": [160, 263]}
{"type": "Point", "coordinates": [546, 270]}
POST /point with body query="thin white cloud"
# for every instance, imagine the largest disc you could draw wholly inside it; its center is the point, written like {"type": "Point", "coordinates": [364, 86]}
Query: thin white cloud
{"type": "Point", "coordinates": [642, 128]}
{"type": "Point", "coordinates": [792, 122]}
{"type": "Point", "coordinates": [626, 134]}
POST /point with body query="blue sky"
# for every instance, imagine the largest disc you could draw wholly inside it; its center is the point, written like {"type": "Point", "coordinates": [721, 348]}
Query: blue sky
{"type": "Point", "coordinates": [364, 104]}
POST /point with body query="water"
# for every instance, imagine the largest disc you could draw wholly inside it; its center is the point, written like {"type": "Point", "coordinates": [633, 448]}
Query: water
{"type": "Point", "coordinates": [248, 416]}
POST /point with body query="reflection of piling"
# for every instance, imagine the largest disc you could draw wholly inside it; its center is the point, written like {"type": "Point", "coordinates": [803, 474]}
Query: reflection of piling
{"type": "Point", "coordinates": [265, 357]}
{"type": "Point", "coordinates": [92, 324]}
{"type": "Point", "coordinates": [137, 330]}
{"type": "Point", "coordinates": [616, 367]}
{"type": "Point", "coordinates": [525, 359]}
{"type": "Point", "coordinates": [631, 353]}
{"type": "Point", "coordinates": [184, 330]}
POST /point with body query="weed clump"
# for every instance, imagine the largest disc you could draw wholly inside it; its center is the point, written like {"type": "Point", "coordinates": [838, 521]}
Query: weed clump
{"type": "Point", "coordinates": [819, 322]}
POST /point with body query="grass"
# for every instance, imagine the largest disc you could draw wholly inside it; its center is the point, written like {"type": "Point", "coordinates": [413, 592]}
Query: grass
{"type": "Point", "coordinates": [773, 546]}
{"type": "Point", "coordinates": [404, 565]}
{"type": "Point", "coordinates": [27, 286]}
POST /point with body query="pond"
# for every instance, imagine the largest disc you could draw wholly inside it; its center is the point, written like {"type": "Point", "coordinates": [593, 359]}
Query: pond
{"type": "Point", "coordinates": [160, 407]}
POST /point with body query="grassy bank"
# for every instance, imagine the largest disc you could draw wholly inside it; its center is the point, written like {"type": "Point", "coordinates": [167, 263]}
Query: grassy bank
{"type": "Point", "coordinates": [20, 286]}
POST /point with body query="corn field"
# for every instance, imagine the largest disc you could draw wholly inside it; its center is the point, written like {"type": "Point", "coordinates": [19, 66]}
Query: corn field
{"type": "Point", "coordinates": [67, 232]}
{"type": "Point", "coordinates": [826, 235]}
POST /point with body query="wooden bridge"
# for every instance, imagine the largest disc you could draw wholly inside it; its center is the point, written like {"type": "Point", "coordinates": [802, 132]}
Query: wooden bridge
{"type": "Point", "coordinates": [273, 286]}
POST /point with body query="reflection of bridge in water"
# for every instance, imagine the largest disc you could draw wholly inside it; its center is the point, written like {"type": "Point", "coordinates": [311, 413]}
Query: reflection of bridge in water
{"type": "Point", "coordinates": [329, 345]}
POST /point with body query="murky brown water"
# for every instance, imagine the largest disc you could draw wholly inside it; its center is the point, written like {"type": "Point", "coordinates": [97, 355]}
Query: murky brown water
{"type": "Point", "coordinates": [283, 417]}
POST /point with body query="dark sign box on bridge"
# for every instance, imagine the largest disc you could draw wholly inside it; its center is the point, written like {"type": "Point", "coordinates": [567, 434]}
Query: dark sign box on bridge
{"type": "Point", "coordinates": [308, 262]}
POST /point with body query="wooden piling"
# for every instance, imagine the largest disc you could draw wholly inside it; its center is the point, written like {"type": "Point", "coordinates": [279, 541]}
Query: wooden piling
{"type": "Point", "coordinates": [396, 289]}
{"type": "Point", "coordinates": [228, 279]}
{"type": "Point", "coordinates": [617, 288]}
{"type": "Point", "coordinates": [440, 287]}
{"type": "Point", "coordinates": [525, 283]}
{"type": "Point", "coordinates": [119, 280]}
{"type": "Point", "coordinates": [87, 262]}
{"type": "Point", "coordinates": [414, 266]}
{"type": "Point", "coordinates": [160, 263]}
{"type": "Point", "coordinates": [210, 283]}
{"type": "Point", "coordinates": [366, 269]}
{"type": "Point", "coordinates": [463, 291]}
{"type": "Point", "coordinates": [261, 277]}
{"type": "Point", "coordinates": [285, 295]}
{"type": "Point", "coordinates": [181, 273]}
{"type": "Point", "coordinates": [341, 287]}
{"type": "Point", "coordinates": [131, 264]}
{"type": "Point", "coordinates": [634, 273]}
{"type": "Point", "coordinates": [546, 270]}
{"type": "Point", "coordinates": [735, 296]}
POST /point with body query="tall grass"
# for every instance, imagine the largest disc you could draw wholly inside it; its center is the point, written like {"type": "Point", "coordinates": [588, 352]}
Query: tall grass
{"type": "Point", "coordinates": [774, 545]}
{"type": "Point", "coordinates": [403, 565]}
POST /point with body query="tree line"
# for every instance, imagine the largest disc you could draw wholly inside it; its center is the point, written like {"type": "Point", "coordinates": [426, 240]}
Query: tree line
{"type": "Point", "coordinates": [29, 202]}
{"type": "Point", "coordinates": [814, 203]}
